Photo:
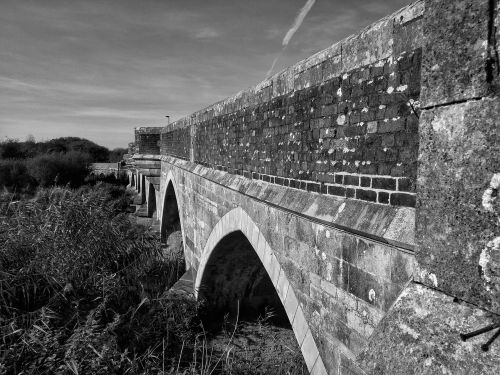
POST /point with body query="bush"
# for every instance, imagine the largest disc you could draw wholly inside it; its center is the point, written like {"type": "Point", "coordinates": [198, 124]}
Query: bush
{"type": "Point", "coordinates": [14, 177]}
{"type": "Point", "coordinates": [59, 169]}
{"type": "Point", "coordinates": [11, 149]}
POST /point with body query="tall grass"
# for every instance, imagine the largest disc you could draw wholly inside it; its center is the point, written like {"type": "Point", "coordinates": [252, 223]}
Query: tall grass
{"type": "Point", "coordinates": [73, 293]}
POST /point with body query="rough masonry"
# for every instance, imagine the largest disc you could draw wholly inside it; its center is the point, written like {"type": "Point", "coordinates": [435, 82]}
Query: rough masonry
{"type": "Point", "coordinates": [357, 191]}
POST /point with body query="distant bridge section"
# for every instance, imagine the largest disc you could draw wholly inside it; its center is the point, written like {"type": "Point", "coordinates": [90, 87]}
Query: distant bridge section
{"type": "Point", "coordinates": [102, 170]}
{"type": "Point", "coordinates": [355, 192]}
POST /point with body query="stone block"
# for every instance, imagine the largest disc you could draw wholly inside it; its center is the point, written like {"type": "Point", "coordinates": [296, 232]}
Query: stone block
{"type": "Point", "coordinates": [300, 326]}
{"type": "Point", "coordinates": [403, 199]}
{"type": "Point", "coordinates": [282, 286]}
{"type": "Point", "coordinates": [366, 195]}
{"type": "Point", "coordinates": [370, 46]}
{"type": "Point", "coordinates": [421, 335]}
{"type": "Point", "coordinates": [309, 350]}
{"type": "Point", "coordinates": [366, 287]}
{"type": "Point", "coordinates": [290, 304]}
{"type": "Point", "coordinates": [375, 258]}
{"type": "Point", "coordinates": [402, 266]}
{"type": "Point", "coordinates": [274, 269]}
{"type": "Point", "coordinates": [455, 51]}
{"type": "Point", "coordinates": [459, 155]}
{"type": "Point", "coordinates": [319, 368]}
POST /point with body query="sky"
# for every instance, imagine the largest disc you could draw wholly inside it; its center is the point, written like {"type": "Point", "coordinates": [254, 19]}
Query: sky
{"type": "Point", "coordinates": [98, 68]}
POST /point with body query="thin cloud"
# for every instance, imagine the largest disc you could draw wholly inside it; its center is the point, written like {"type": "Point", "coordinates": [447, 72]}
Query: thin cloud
{"type": "Point", "coordinates": [207, 33]}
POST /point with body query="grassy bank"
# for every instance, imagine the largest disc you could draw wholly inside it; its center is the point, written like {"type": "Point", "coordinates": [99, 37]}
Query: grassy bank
{"type": "Point", "coordinates": [74, 290]}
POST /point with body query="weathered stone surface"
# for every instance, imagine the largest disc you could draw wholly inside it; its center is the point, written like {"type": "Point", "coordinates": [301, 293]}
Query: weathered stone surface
{"type": "Point", "coordinates": [455, 51]}
{"type": "Point", "coordinates": [459, 155]}
{"type": "Point", "coordinates": [421, 335]}
{"type": "Point", "coordinates": [147, 140]}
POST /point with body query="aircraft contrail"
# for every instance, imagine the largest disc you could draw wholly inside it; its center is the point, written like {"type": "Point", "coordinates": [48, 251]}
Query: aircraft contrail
{"type": "Point", "coordinates": [296, 24]}
{"type": "Point", "coordinates": [298, 21]}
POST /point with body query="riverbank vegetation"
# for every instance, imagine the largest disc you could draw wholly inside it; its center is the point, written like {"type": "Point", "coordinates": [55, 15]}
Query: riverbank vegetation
{"type": "Point", "coordinates": [76, 290]}
{"type": "Point", "coordinates": [25, 166]}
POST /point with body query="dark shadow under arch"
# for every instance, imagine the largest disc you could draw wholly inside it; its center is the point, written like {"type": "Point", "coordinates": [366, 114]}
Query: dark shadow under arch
{"type": "Point", "coordinates": [234, 277]}
{"type": "Point", "coordinates": [170, 221]}
{"type": "Point", "coordinates": [151, 200]}
{"type": "Point", "coordinates": [142, 189]}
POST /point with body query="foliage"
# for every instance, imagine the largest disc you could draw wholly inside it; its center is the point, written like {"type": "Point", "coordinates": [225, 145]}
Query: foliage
{"type": "Point", "coordinates": [11, 149]}
{"type": "Point", "coordinates": [14, 149]}
{"type": "Point", "coordinates": [116, 155]}
{"type": "Point", "coordinates": [15, 177]}
{"type": "Point", "coordinates": [73, 293]}
{"type": "Point", "coordinates": [57, 162]}
{"type": "Point", "coordinates": [59, 169]}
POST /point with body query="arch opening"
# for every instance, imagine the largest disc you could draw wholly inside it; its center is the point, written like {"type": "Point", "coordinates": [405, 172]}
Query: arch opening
{"type": "Point", "coordinates": [170, 222]}
{"type": "Point", "coordinates": [235, 278]}
{"type": "Point", "coordinates": [239, 296]}
{"type": "Point", "coordinates": [151, 201]}
{"type": "Point", "coordinates": [142, 189]}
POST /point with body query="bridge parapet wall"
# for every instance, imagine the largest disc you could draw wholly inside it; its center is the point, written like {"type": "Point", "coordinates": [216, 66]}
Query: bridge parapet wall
{"type": "Point", "coordinates": [342, 122]}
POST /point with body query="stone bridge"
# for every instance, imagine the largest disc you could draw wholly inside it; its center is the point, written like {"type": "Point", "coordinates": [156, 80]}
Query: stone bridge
{"type": "Point", "coordinates": [355, 192]}
{"type": "Point", "coordinates": [102, 170]}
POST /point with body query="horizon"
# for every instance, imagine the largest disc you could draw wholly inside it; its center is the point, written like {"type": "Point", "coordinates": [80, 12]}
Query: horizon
{"type": "Point", "coordinates": [96, 70]}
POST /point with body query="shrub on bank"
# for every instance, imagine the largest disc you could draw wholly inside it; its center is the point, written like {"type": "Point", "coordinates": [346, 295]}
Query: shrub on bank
{"type": "Point", "coordinates": [59, 169]}
{"type": "Point", "coordinates": [15, 177]}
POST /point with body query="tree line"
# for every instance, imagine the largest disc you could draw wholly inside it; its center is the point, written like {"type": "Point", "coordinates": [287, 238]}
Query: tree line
{"type": "Point", "coordinates": [27, 165]}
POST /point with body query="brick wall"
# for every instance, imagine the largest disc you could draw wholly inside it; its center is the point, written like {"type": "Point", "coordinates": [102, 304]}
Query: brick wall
{"type": "Point", "coordinates": [147, 140]}
{"type": "Point", "coordinates": [342, 122]}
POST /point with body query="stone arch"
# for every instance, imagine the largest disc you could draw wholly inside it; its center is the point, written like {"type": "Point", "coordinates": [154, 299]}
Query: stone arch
{"type": "Point", "coordinates": [171, 210]}
{"type": "Point", "coordinates": [237, 220]}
